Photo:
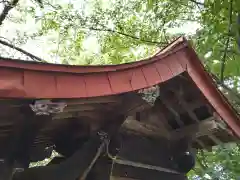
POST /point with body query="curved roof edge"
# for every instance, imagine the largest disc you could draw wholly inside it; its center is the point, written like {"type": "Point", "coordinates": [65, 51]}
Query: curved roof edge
{"type": "Point", "coordinates": [85, 69]}
{"type": "Point", "coordinates": [24, 79]}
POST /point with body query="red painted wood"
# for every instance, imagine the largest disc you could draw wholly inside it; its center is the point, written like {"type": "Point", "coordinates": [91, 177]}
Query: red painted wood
{"type": "Point", "coordinates": [97, 85]}
{"type": "Point", "coordinates": [173, 63]}
{"type": "Point", "coordinates": [212, 94]}
{"type": "Point", "coordinates": [137, 79]}
{"type": "Point", "coordinates": [11, 75]}
{"type": "Point", "coordinates": [120, 81]}
{"type": "Point", "coordinates": [182, 59]}
{"type": "Point", "coordinates": [39, 83]}
{"type": "Point", "coordinates": [164, 71]}
{"type": "Point", "coordinates": [10, 89]}
{"type": "Point", "coordinates": [11, 83]}
{"type": "Point", "coordinates": [71, 84]}
{"type": "Point", "coordinates": [151, 74]}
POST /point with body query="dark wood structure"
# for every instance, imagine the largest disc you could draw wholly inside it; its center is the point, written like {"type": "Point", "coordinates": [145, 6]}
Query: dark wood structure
{"type": "Point", "coordinates": [164, 98]}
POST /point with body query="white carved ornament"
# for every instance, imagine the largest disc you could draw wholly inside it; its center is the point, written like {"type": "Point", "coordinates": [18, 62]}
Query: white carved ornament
{"type": "Point", "coordinates": [150, 94]}
{"type": "Point", "coordinates": [47, 107]}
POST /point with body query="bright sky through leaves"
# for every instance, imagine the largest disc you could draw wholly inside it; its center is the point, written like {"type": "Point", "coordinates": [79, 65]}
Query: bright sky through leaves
{"type": "Point", "coordinates": [43, 46]}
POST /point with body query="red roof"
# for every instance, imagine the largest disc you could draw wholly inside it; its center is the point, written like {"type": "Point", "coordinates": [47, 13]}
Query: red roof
{"type": "Point", "coordinates": [24, 79]}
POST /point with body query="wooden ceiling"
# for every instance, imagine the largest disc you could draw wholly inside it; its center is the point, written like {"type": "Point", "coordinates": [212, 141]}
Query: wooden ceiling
{"type": "Point", "coordinates": [183, 110]}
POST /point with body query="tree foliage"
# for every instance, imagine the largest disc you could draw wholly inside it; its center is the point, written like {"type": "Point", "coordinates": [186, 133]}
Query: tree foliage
{"type": "Point", "coordinates": [121, 31]}
{"type": "Point", "coordinates": [219, 164]}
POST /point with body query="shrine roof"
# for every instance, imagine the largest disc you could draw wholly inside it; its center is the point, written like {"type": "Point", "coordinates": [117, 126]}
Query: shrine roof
{"type": "Point", "coordinates": [33, 80]}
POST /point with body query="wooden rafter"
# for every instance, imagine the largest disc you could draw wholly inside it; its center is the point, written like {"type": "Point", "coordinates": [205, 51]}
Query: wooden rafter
{"type": "Point", "coordinates": [173, 111]}
{"type": "Point", "coordinates": [193, 116]}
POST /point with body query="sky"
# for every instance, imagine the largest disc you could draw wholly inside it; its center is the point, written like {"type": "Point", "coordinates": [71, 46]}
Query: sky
{"type": "Point", "coordinates": [38, 46]}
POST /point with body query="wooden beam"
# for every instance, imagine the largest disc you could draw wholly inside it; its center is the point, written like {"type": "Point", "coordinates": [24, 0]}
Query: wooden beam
{"type": "Point", "coordinates": [133, 103]}
{"type": "Point", "coordinates": [173, 111]}
{"type": "Point", "coordinates": [94, 100]}
{"type": "Point", "coordinates": [200, 143]}
{"type": "Point", "coordinates": [90, 114]}
{"type": "Point", "coordinates": [78, 108]}
{"type": "Point", "coordinates": [135, 126]}
{"type": "Point", "coordinates": [89, 107]}
{"type": "Point", "coordinates": [200, 129]}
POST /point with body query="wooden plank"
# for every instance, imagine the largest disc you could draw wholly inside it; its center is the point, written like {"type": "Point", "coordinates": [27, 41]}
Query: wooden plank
{"type": "Point", "coordinates": [78, 108]}
{"type": "Point", "coordinates": [71, 84]}
{"type": "Point", "coordinates": [137, 79]}
{"type": "Point", "coordinates": [133, 103]}
{"type": "Point", "coordinates": [89, 114]}
{"type": "Point", "coordinates": [36, 83]}
{"type": "Point", "coordinates": [173, 64]}
{"type": "Point", "coordinates": [93, 100]}
{"type": "Point", "coordinates": [89, 107]}
{"type": "Point", "coordinates": [120, 81]}
{"type": "Point", "coordinates": [97, 85]}
{"type": "Point", "coordinates": [151, 74]}
{"type": "Point", "coordinates": [164, 71]}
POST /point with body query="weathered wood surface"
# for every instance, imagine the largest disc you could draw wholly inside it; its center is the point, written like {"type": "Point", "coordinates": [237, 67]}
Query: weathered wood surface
{"type": "Point", "coordinates": [152, 152]}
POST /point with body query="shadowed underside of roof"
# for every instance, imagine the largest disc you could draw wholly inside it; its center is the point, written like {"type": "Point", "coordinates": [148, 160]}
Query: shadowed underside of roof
{"type": "Point", "coordinates": [92, 92]}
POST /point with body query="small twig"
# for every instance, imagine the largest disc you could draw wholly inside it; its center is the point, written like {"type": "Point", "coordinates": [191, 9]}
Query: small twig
{"type": "Point", "coordinates": [127, 35]}
{"type": "Point", "coordinates": [227, 42]}
{"type": "Point", "coordinates": [230, 51]}
{"type": "Point", "coordinates": [6, 10]}
{"type": "Point", "coordinates": [54, 7]}
{"type": "Point", "coordinates": [201, 164]}
{"type": "Point", "coordinates": [5, 39]}
{"type": "Point", "coordinates": [21, 50]}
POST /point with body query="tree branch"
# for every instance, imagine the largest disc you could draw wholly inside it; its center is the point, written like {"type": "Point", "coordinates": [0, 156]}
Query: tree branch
{"type": "Point", "coordinates": [127, 35]}
{"type": "Point", "coordinates": [21, 50]}
{"type": "Point", "coordinates": [227, 42]}
{"type": "Point", "coordinates": [55, 7]}
{"type": "Point", "coordinates": [196, 2]}
{"type": "Point", "coordinates": [202, 162]}
{"type": "Point", "coordinates": [238, 29]}
{"type": "Point", "coordinates": [219, 82]}
{"type": "Point", "coordinates": [230, 51]}
{"type": "Point", "coordinates": [6, 10]}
